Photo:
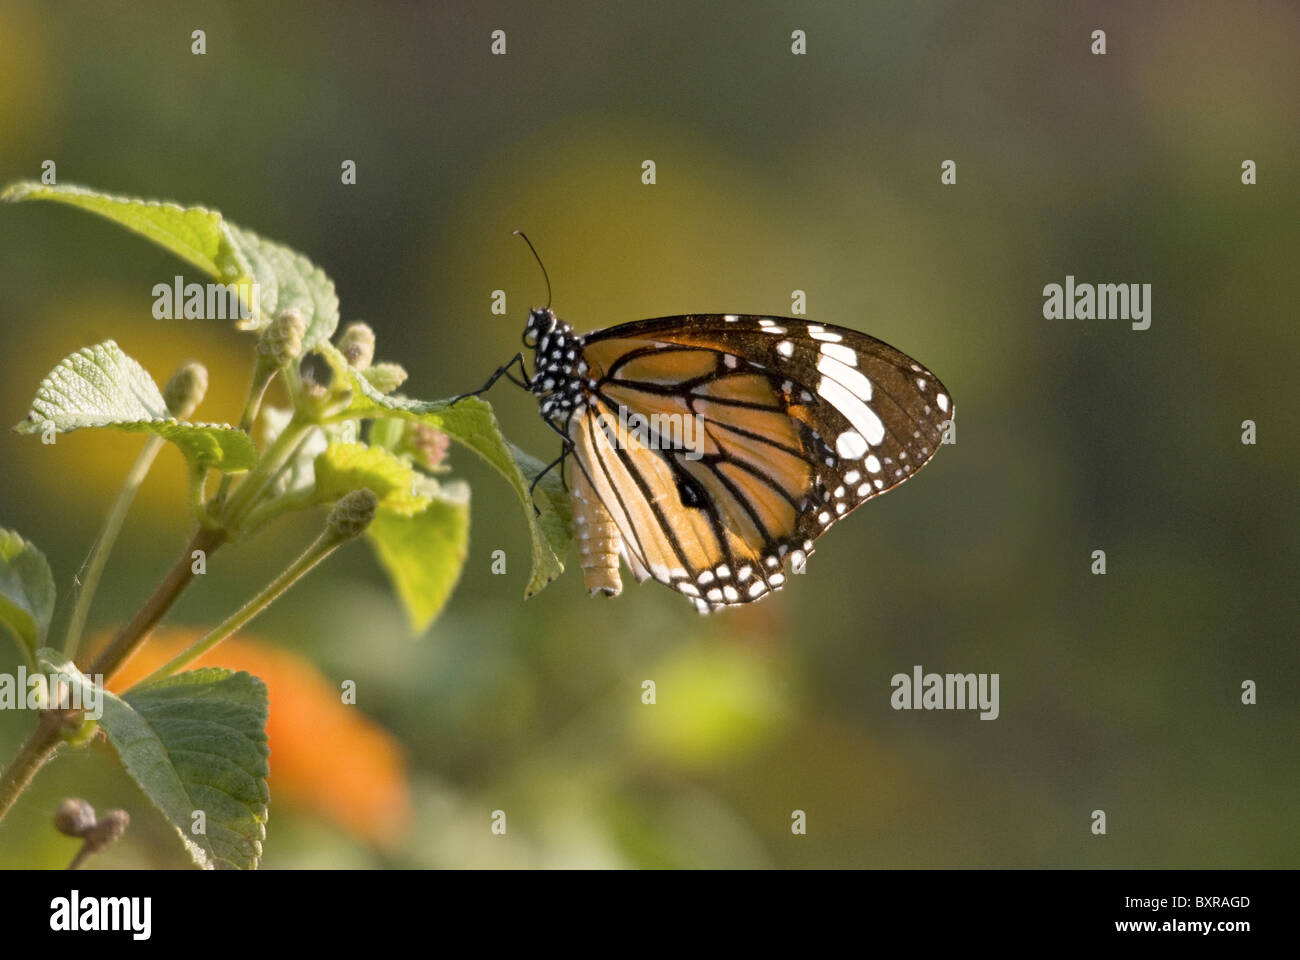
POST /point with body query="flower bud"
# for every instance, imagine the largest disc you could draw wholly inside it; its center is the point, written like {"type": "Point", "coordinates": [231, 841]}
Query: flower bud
{"type": "Point", "coordinates": [110, 826]}
{"type": "Point", "coordinates": [357, 344]}
{"type": "Point", "coordinates": [281, 341]}
{"type": "Point", "coordinates": [427, 445]}
{"type": "Point", "coordinates": [353, 513]}
{"type": "Point", "coordinates": [74, 818]}
{"type": "Point", "coordinates": [386, 377]}
{"type": "Point", "coordinates": [185, 390]}
{"type": "Point", "coordinates": [78, 728]}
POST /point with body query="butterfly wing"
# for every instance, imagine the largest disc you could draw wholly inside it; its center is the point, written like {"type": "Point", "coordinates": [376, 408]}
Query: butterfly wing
{"type": "Point", "coordinates": [797, 425]}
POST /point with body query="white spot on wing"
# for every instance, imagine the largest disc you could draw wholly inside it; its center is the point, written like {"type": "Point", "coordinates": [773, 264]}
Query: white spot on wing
{"type": "Point", "coordinates": [846, 375]}
{"type": "Point", "coordinates": [819, 333]}
{"type": "Point", "coordinates": [942, 401]}
{"type": "Point", "coordinates": [862, 417]}
{"type": "Point", "coordinates": [785, 348]}
{"type": "Point", "coordinates": [850, 445]}
{"type": "Point", "coordinates": [841, 353]}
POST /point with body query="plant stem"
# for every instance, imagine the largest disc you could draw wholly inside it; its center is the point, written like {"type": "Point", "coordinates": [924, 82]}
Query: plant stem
{"type": "Point", "coordinates": [263, 374]}
{"type": "Point", "coordinates": [82, 856]}
{"type": "Point", "coordinates": [43, 741]}
{"type": "Point", "coordinates": [198, 485]}
{"type": "Point", "coordinates": [321, 548]}
{"type": "Point", "coordinates": [269, 465]}
{"type": "Point", "coordinates": [271, 508]}
{"type": "Point", "coordinates": [104, 543]}
{"type": "Point", "coordinates": [178, 578]}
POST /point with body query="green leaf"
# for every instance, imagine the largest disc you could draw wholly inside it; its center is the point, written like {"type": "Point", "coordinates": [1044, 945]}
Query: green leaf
{"type": "Point", "coordinates": [345, 467]}
{"type": "Point", "coordinates": [472, 423]}
{"type": "Point", "coordinates": [424, 554]}
{"type": "Point", "coordinates": [285, 279]}
{"type": "Point", "coordinates": [556, 519]}
{"type": "Point", "coordinates": [195, 741]}
{"type": "Point", "coordinates": [224, 251]}
{"type": "Point", "coordinates": [194, 234]}
{"type": "Point", "coordinates": [26, 592]}
{"type": "Point", "coordinates": [101, 386]}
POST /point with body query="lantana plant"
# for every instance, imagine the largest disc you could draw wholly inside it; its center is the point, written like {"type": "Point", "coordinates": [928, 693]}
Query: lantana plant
{"type": "Point", "coordinates": [348, 444]}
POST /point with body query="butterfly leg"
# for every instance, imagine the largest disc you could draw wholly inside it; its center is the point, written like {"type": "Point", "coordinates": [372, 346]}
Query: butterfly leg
{"type": "Point", "coordinates": [568, 449]}
{"type": "Point", "coordinates": [502, 371]}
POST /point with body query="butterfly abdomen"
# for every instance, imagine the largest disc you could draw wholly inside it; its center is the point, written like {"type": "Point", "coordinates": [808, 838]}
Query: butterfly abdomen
{"type": "Point", "coordinates": [598, 541]}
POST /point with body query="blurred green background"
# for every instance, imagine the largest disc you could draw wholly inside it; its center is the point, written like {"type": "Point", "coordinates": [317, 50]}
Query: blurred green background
{"type": "Point", "coordinates": [775, 172]}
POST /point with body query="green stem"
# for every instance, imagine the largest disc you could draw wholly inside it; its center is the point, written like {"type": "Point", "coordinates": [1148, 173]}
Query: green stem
{"type": "Point", "coordinates": [38, 748]}
{"type": "Point", "coordinates": [257, 479]}
{"type": "Point", "coordinates": [104, 544]}
{"type": "Point", "coordinates": [198, 483]}
{"type": "Point", "coordinates": [257, 515]}
{"type": "Point", "coordinates": [268, 510]}
{"type": "Point", "coordinates": [321, 548]}
{"type": "Point", "coordinates": [263, 373]}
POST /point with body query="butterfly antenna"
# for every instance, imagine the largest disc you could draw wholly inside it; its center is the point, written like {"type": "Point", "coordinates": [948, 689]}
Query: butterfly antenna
{"type": "Point", "coordinates": [520, 233]}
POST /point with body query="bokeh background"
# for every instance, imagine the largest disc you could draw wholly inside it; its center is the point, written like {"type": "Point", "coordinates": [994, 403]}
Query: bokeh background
{"type": "Point", "coordinates": [774, 172]}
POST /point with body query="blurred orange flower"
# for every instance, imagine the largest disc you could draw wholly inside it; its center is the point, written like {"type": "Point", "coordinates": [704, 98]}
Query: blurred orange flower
{"type": "Point", "coordinates": [327, 758]}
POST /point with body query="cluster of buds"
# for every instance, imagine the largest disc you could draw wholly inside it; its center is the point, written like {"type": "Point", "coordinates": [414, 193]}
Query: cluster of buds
{"type": "Point", "coordinates": [426, 445]}
{"type": "Point", "coordinates": [76, 818]}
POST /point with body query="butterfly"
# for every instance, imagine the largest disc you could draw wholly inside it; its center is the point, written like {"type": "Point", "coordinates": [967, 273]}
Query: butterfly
{"type": "Point", "coordinates": [710, 451]}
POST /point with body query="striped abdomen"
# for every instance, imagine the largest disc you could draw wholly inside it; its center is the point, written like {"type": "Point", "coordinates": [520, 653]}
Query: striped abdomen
{"type": "Point", "coordinates": [597, 538]}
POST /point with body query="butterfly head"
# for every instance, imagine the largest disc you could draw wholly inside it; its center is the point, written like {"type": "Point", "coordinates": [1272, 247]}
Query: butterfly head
{"type": "Point", "coordinates": [541, 321]}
